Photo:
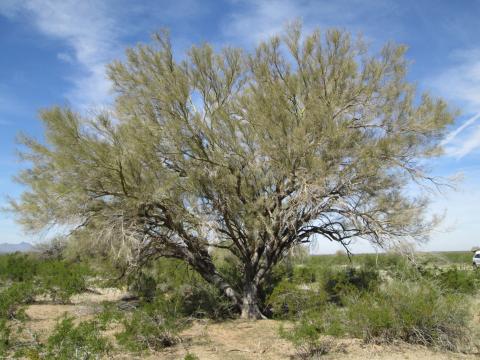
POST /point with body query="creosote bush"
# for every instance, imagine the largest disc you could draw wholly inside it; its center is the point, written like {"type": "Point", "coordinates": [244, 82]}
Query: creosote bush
{"type": "Point", "coordinates": [153, 326]}
{"type": "Point", "coordinates": [456, 280]}
{"type": "Point", "coordinates": [338, 284]}
{"type": "Point", "coordinates": [414, 312]}
{"type": "Point", "coordinates": [298, 294]}
{"type": "Point", "coordinates": [83, 341]}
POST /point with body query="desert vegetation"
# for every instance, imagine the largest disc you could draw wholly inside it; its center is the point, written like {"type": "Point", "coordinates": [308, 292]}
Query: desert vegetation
{"type": "Point", "coordinates": [194, 199]}
{"type": "Point", "coordinates": [314, 301]}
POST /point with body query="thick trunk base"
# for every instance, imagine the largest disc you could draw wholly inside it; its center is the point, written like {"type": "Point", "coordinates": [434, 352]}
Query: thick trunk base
{"type": "Point", "coordinates": [249, 306]}
{"type": "Point", "coordinates": [251, 312]}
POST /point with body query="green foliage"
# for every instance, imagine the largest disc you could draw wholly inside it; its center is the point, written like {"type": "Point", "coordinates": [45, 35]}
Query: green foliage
{"type": "Point", "coordinates": [304, 274]}
{"type": "Point", "coordinates": [13, 297]}
{"type": "Point", "coordinates": [83, 341]}
{"type": "Point", "coordinates": [18, 267]}
{"type": "Point", "coordinates": [452, 279]}
{"type": "Point", "coordinates": [173, 279]}
{"type": "Point", "coordinates": [144, 285]}
{"type": "Point", "coordinates": [5, 332]}
{"type": "Point", "coordinates": [299, 294]}
{"type": "Point", "coordinates": [191, 356]}
{"type": "Point", "coordinates": [60, 280]}
{"type": "Point", "coordinates": [154, 326]}
{"type": "Point", "coordinates": [339, 283]}
{"type": "Point", "coordinates": [459, 281]}
{"type": "Point", "coordinates": [414, 312]}
{"type": "Point", "coordinates": [57, 278]}
{"type": "Point", "coordinates": [290, 299]}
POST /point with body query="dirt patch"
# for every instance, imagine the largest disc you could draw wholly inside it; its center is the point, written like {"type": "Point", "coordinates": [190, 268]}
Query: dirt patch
{"type": "Point", "coordinates": [43, 316]}
{"type": "Point", "coordinates": [231, 340]}
{"type": "Point", "coordinates": [235, 339]}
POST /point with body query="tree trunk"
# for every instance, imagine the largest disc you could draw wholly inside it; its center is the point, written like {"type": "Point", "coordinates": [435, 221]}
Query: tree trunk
{"type": "Point", "coordinates": [206, 268]}
{"type": "Point", "coordinates": [249, 306]}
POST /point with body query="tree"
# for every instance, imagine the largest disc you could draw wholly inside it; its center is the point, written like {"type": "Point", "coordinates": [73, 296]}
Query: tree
{"type": "Point", "coordinates": [304, 139]}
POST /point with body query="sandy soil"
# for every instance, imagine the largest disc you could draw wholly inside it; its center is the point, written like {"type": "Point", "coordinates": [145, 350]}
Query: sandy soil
{"type": "Point", "coordinates": [43, 316]}
{"type": "Point", "coordinates": [235, 340]}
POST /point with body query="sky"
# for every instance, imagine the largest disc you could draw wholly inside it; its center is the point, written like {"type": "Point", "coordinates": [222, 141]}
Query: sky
{"type": "Point", "coordinates": [54, 52]}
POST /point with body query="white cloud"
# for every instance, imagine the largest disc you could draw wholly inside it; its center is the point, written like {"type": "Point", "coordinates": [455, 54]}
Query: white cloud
{"type": "Point", "coordinates": [466, 144]}
{"type": "Point", "coordinates": [261, 19]}
{"type": "Point", "coordinates": [460, 84]}
{"type": "Point", "coordinates": [452, 135]}
{"type": "Point", "coordinates": [65, 57]}
{"type": "Point", "coordinates": [257, 20]}
{"type": "Point", "coordinates": [89, 28]}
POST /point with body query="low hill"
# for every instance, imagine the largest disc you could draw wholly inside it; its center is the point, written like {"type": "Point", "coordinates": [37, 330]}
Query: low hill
{"type": "Point", "coordinates": [11, 248]}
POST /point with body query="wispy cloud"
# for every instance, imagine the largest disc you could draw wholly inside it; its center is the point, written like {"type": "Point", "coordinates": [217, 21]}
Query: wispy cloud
{"type": "Point", "coordinates": [257, 20]}
{"type": "Point", "coordinates": [466, 145]}
{"type": "Point", "coordinates": [460, 83]}
{"type": "Point", "coordinates": [452, 135]}
{"type": "Point", "coordinates": [88, 28]}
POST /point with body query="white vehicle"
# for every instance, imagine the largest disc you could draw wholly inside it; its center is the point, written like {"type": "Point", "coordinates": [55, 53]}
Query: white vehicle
{"type": "Point", "coordinates": [476, 259]}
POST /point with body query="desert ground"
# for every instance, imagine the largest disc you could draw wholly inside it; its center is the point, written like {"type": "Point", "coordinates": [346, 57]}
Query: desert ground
{"type": "Point", "coordinates": [234, 339]}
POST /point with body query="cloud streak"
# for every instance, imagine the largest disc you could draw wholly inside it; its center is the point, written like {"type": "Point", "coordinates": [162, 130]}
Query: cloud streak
{"type": "Point", "coordinates": [460, 83]}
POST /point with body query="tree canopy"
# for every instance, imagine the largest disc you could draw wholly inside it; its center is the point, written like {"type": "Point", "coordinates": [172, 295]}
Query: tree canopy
{"type": "Point", "coordinates": [305, 138]}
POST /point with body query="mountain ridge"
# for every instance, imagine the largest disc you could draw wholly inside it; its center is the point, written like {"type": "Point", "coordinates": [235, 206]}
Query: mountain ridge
{"type": "Point", "coordinates": [24, 246]}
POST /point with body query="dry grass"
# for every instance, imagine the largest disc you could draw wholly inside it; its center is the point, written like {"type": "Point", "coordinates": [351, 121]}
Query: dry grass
{"type": "Point", "coordinates": [235, 340]}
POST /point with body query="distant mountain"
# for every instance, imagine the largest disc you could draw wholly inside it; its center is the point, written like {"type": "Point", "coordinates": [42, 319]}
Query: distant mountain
{"type": "Point", "coordinates": [11, 248]}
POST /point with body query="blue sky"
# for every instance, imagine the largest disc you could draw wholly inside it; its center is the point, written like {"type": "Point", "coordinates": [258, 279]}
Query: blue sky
{"type": "Point", "coordinates": [54, 52]}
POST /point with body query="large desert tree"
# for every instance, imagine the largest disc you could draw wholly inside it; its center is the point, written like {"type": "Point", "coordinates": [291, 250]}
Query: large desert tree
{"type": "Point", "coordinates": [305, 138]}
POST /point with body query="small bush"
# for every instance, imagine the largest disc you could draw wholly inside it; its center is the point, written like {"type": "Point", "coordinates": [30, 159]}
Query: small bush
{"type": "Point", "coordinates": [154, 326]}
{"type": "Point", "coordinates": [418, 313]}
{"type": "Point", "coordinates": [60, 280]}
{"type": "Point", "coordinates": [18, 267]}
{"type": "Point", "coordinates": [338, 284]}
{"type": "Point", "coordinates": [458, 281]}
{"type": "Point", "coordinates": [174, 280]}
{"type": "Point", "coordinates": [83, 341]}
{"type": "Point", "coordinates": [304, 274]}
{"type": "Point", "coordinates": [413, 312]}
{"type": "Point", "coordinates": [144, 285]}
{"type": "Point", "coordinates": [289, 299]}
{"type": "Point", "coordinates": [191, 356]}
{"type": "Point", "coordinates": [14, 297]}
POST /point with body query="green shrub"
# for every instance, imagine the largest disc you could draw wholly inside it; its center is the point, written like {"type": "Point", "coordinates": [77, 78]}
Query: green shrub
{"type": "Point", "coordinates": [191, 356]}
{"type": "Point", "coordinates": [13, 297]}
{"type": "Point", "coordinates": [154, 326]}
{"type": "Point", "coordinates": [304, 274]}
{"type": "Point", "coordinates": [18, 267]}
{"type": "Point", "coordinates": [174, 280]}
{"type": "Point", "coordinates": [338, 284]}
{"type": "Point", "coordinates": [143, 285]}
{"type": "Point", "coordinates": [60, 279]}
{"type": "Point", "coordinates": [289, 299]}
{"type": "Point", "coordinates": [5, 331]}
{"type": "Point", "coordinates": [83, 341]}
{"type": "Point", "coordinates": [229, 267]}
{"type": "Point", "coordinates": [414, 312]}
{"type": "Point", "coordinates": [459, 281]}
